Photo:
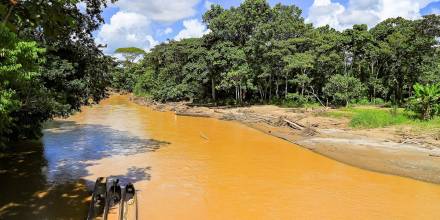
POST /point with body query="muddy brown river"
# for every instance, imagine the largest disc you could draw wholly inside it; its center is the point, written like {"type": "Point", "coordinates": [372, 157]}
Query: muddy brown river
{"type": "Point", "coordinates": [194, 168]}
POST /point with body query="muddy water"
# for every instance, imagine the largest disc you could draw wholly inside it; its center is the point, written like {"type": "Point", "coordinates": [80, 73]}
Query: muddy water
{"type": "Point", "coordinates": [198, 168]}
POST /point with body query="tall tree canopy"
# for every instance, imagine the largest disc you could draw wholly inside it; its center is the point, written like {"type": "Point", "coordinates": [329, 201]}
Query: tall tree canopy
{"type": "Point", "coordinates": [258, 53]}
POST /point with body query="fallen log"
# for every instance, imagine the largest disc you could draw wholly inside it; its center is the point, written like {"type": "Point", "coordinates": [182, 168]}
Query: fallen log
{"type": "Point", "coordinates": [294, 125]}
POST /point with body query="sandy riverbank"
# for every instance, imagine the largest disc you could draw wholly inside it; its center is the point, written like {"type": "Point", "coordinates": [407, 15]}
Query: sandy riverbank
{"type": "Point", "coordinates": [393, 150]}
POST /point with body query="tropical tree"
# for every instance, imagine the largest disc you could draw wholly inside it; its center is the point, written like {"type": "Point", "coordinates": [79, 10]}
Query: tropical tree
{"type": "Point", "coordinates": [426, 100]}
{"type": "Point", "coordinates": [303, 81]}
{"type": "Point", "coordinates": [130, 54]}
{"type": "Point", "coordinates": [343, 89]}
{"type": "Point", "coordinates": [301, 62]}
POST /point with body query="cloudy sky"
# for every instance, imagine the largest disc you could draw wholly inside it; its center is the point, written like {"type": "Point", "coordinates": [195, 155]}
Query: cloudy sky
{"type": "Point", "coordinates": [146, 23]}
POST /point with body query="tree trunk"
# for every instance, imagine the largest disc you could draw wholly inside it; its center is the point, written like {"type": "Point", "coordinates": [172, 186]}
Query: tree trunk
{"type": "Point", "coordinates": [213, 88]}
{"type": "Point", "coordinates": [6, 18]}
{"type": "Point", "coordinates": [236, 94]}
{"type": "Point", "coordinates": [270, 87]}
{"type": "Point", "coordinates": [286, 86]}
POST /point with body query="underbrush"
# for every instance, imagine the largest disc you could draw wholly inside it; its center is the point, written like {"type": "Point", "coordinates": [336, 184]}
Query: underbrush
{"type": "Point", "coordinates": [296, 100]}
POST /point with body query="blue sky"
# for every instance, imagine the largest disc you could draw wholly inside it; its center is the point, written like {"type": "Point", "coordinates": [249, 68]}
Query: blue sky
{"type": "Point", "coordinates": [145, 23]}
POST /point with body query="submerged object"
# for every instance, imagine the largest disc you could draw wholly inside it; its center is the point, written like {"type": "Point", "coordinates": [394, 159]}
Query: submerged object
{"type": "Point", "coordinates": [112, 201]}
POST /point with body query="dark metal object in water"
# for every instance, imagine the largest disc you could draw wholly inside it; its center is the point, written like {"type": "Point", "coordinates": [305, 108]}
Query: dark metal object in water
{"type": "Point", "coordinates": [107, 195]}
{"type": "Point", "coordinates": [113, 197]}
{"type": "Point", "coordinates": [128, 209]}
{"type": "Point", "coordinates": [99, 196]}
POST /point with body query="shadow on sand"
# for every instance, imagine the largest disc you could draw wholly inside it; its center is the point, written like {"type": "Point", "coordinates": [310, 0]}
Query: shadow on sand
{"type": "Point", "coordinates": [44, 180]}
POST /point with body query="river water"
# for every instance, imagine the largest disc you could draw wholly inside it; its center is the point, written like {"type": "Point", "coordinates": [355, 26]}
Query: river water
{"type": "Point", "coordinates": [195, 168]}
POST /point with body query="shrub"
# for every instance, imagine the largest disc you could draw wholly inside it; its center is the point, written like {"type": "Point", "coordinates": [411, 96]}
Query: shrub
{"type": "Point", "coordinates": [342, 89]}
{"type": "Point", "coordinates": [363, 101]}
{"type": "Point", "coordinates": [378, 101]}
{"type": "Point", "coordinates": [297, 100]}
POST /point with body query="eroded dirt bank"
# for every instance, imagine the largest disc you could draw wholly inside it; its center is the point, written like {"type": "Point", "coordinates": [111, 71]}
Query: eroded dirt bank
{"type": "Point", "coordinates": [394, 150]}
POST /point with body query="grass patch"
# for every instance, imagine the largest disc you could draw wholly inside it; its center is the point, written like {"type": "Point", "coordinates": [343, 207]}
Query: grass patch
{"type": "Point", "coordinates": [431, 125]}
{"type": "Point", "coordinates": [339, 114]}
{"type": "Point", "coordinates": [377, 118]}
{"type": "Point", "coordinates": [371, 116]}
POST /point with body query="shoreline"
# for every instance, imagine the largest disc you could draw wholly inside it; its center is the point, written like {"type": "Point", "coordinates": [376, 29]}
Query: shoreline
{"type": "Point", "coordinates": [379, 150]}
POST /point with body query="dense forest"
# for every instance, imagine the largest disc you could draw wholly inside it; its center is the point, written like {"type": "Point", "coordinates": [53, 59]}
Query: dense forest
{"type": "Point", "coordinates": [49, 63]}
{"type": "Point", "coordinates": [256, 53]}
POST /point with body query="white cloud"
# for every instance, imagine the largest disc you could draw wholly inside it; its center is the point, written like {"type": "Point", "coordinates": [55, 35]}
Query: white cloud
{"type": "Point", "coordinates": [435, 11]}
{"type": "Point", "coordinates": [370, 12]}
{"type": "Point", "coordinates": [192, 28]}
{"type": "Point", "coordinates": [131, 25]}
{"type": "Point", "coordinates": [160, 10]}
{"type": "Point", "coordinates": [168, 30]}
{"type": "Point", "coordinates": [165, 31]}
{"type": "Point", "coordinates": [126, 29]}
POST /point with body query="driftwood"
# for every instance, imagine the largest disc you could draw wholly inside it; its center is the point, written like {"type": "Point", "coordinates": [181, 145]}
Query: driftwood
{"type": "Point", "coordinates": [204, 136]}
{"type": "Point", "coordinates": [200, 115]}
{"type": "Point", "coordinates": [294, 125]}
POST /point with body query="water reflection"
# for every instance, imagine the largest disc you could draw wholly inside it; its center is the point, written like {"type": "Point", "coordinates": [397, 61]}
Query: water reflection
{"type": "Point", "coordinates": [43, 180]}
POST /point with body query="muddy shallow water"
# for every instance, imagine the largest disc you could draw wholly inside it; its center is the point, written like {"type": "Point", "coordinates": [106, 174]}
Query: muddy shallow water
{"type": "Point", "coordinates": [195, 168]}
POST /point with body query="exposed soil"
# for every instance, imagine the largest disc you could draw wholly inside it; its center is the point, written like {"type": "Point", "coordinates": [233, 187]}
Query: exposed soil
{"type": "Point", "coordinates": [397, 150]}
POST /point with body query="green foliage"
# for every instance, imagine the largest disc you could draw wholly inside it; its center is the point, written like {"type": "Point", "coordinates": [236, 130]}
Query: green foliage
{"type": "Point", "coordinates": [7, 105]}
{"type": "Point", "coordinates": [302, 81]}
{"type": "Point", "coordinates": [20, 64]}
{"type": "Point", "coordinates": [297, 100]}
{"type": "Point", "coordinates": [362, 101]}
{"type": "Point", "coordinates": [426, 100]}
{"type": "Point", "coordinates": [342, 89]}
{"type": "Point", "coordinates": [38, 84]}
{"type": "Point", "coordinates": [125, 78]}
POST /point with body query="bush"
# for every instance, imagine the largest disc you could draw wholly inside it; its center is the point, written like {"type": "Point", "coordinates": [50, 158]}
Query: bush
{"type": "Point", "coordinates": [378, 101]}
{"type": "Point", "coordinates": [342, 89]}
{"type": "Point", "coordinates": [297, 100]}
{"type": "Point", "coordinates": [363, 101]}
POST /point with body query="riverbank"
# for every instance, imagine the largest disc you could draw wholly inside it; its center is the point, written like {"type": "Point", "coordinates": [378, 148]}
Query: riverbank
{"type": "Point", "coordinates": [396, 150]}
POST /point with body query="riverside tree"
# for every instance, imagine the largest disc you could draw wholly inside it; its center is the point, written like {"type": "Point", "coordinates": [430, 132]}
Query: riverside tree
{"type": "Point", "coordinates": [50, 65]}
